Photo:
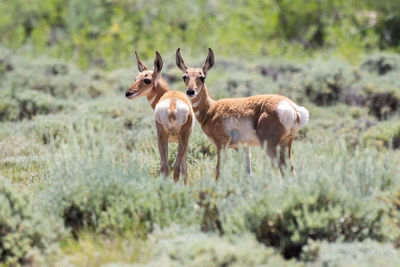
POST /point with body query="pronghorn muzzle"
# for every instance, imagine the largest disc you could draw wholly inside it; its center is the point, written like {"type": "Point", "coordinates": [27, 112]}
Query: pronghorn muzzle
{"type": "Point", "coordinates": [128, 94]}
{"type": "Point", "coordinates": [190, 92]}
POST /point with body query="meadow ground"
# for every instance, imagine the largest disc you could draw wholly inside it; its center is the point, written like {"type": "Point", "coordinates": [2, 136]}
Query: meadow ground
{"type": "Point", "coordinates": [79, 169]}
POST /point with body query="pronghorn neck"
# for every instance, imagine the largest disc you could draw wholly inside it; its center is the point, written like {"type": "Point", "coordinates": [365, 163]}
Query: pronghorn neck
{"type": "Point", "coordinates": [158, 91]}
{"type": "Point", "coordinates": [201, 103]}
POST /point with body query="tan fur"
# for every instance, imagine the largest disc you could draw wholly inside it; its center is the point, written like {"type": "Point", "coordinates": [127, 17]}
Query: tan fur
{"type": "Point", "coordinates": [156, 92]}
{"type": "Point", "coordinates": [231, 122]}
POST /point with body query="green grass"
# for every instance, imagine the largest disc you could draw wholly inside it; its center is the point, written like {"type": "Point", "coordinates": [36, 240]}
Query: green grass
{"type": "Point", "coordinates": [94, 165]}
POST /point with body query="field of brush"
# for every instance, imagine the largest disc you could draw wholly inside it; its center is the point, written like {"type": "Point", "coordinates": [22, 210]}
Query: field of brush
{"type": "Point", "coordinates": [79, 170]}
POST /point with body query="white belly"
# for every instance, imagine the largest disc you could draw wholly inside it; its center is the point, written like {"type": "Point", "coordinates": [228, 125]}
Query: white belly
{"type": "Point", "coordinates": [241, 132]}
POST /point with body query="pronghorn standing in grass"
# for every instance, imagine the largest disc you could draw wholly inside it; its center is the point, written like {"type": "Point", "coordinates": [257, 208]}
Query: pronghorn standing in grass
{"type": "Point", "coordinates": [174, 116]}
{"type": "Point", "coordinates": [251, 121]}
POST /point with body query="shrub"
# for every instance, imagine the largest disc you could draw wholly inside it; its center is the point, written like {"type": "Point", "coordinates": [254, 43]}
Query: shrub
{"type": "Point", "coordinates": [56, 78]}
{"type": "Point", "coordinates": [89, 190]}
{"type": "Point", "coordinates": [385, 134]}
{"type": "Point", "coordinates": [27, 104]}
{"type": "Point", "coordinates": [324, 83]}
{"type": "Point", "coordinates": [382, 94]}
{"type": "Point", "coordinates": [357, 254]}
{"type": "Point", "coordinates": [333, 198]}
{"type": "Point", "coordinates": [24, 232]}
{"type": "Point", "coordinates": [381, 63]}
{"type": "Point", "coordinates": [190, 248]}
{"type": "Point", "coordinates": [323, 215]}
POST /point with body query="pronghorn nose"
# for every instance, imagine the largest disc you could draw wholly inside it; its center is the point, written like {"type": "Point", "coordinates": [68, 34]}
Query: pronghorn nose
{"type": "Point", "coordinates": [128, 93]}
{"type": "Point", "coordinates": [190, 92]}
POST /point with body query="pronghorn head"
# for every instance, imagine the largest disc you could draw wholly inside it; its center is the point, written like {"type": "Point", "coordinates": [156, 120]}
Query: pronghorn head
{"type": "Point", "coordinates": [146, 80]}
{"type": "Point", "coordinates": [194, 78]}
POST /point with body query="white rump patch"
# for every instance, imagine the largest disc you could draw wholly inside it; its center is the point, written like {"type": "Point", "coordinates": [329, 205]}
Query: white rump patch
{"type": "Point", "coordinates": [288, 112]}
{"type": "Point", "coordinates": [162, 114]}
{"type": "Point", "coordinates": [304, 116]}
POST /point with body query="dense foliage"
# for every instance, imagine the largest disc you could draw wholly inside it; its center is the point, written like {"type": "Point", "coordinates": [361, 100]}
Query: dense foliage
{"type": "Point", "coordinates": [103, 32]}
{"type": "Point", "coordinates": [24, 234]}
{"type": "Point", "coordinates": [81, 157]}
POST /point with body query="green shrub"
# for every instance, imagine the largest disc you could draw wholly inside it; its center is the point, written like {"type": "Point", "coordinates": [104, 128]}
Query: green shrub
{"type": "Point", "coordinates": [385, 134]}
{"type": "Point", "coordinates": [89, 190]}
{"type": "Point", "coordinates": [27, 104]}
{"type": "Point", "coordinates": [24, 231]}
{"type": "Point", "coordinates": [334, 198]}
{"type": "Point", "coordinates": [190, 248]}
{"type": "Point", "coordinates": [381, 63]}
{"type": "Point", "coordinates": [56, 78]}
{"type": "Point", "coordinates": [325, 82]}
{"type": "Point", "coordinates": [382, 94]}
{"type": "Point", "coordinates": [357, 254]}
{"type": "Point", "coordinates": [324, 215]}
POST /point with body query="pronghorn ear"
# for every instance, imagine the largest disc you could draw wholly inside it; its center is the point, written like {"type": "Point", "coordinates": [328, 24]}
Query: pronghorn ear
{"type": "Point", "coordinates": [141, 66]}
{"type": "Point", "coordinates": [209, 61]}
{"type": "Point", "coordinates": [158, 65]}
{"type": "Point", "coordinates": [179, 61]}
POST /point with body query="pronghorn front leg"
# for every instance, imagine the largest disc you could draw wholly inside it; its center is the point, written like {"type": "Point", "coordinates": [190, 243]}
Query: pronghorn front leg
{"type": "Point", "coordinates": [248, 160]}
{"type": "Point", "coordinates": [163, 135]}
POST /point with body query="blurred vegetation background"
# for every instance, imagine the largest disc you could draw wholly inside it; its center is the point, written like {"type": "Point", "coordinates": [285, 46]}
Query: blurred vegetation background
{"type": "Point", "coordinates": [79, 164]}
{"type": "Point", "coordinates": [105, 32]}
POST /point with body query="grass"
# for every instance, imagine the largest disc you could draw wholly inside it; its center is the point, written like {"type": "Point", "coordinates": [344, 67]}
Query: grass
{"type": "Point", "coordinates": [94, 165]}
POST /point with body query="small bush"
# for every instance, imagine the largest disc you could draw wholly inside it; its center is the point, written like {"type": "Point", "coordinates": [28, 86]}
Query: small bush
{"type": "Point", "coordinates": [24, 232]}
{"type": "Point", "coordinates": [325, 82]}
{"type": "Point", "coordinates": [382, 94]}
{"type": "Point", "coordinates": [89, 190]}
{"type": "Point", "coordinates": [381, 63]}
{"type": "Point", "coordinates": [27, 104]}
{"type": "Point", "coordinates": [357, 254]}
{"type": "Point", "coordinates": [56, 78]}
{"type": "Point", "coordinates": [198, 249]}
{"type": "Point", "coordinates": [324, 215]}
{"type": "Point", "coordinates": [385, 134]}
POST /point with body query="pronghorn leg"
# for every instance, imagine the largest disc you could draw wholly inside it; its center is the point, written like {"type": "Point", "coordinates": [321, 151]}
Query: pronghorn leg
{"type": "Point", "coordinates": [217, 168]}
{"type": "Point", "coordinates": [180, 162]}
{"type": "Point", "coordinates": [290, 155]}
{"type": "Point", "coordinates": [248, 160]}
{"type": "Point", "coordinates": [163, 135]}
{"type": "Point", "coordinates": [270, 129]}
{"type": "Point", "coordinates": [282, 158]}
{"type": "Point", "coordinates": [271, 151]}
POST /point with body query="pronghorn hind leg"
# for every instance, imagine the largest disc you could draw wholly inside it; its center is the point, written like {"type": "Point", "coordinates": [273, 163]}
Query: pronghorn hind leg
{"type": "Point", "coordinates": [180, 162]}
{"type": "Point", "coordinates": [290, 155]}
{"type": "Point", "coordinates": [163, 136]}
{"type": "Point", "coordinates": [270, 130]}
{"type": "Point", "coordinates": [282, 158]}
{"type": "Point", "coordinates": [271, 151]}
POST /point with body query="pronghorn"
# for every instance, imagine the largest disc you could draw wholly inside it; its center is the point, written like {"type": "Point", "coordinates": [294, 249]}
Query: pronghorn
{"type": "Point", "coordinates": [174, 116]}
{"type": "Point", "coordinates": [250, 121]}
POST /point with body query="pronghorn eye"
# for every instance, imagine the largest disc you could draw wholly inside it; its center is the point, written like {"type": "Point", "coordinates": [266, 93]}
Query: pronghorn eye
{"type": "Point", "coordinates": [147, 81]}
{"type": "Point", "coordinates": [202, 79]}
{"type": "Point", "coordinates": [184, 78]}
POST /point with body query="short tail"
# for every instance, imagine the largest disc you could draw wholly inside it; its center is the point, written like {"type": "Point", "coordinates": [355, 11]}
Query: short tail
{"type": "Point", "coordinates": [292, 116]}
